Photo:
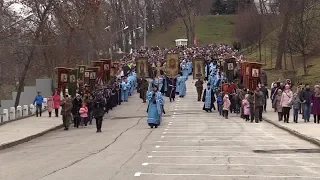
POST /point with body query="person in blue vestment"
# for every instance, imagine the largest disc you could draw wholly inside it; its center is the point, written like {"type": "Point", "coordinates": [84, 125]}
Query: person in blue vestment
{"type": "Point", "coordinates": [125, 88]}
{"type": "Point", "coordinates": [160, 84]}
{"type": "Point", "coordinates": [185, 69]}
{"type": "Point", "coordinates": [155, 107]}
{"type": "Point", "coordinates": [208, 98]}
{"type": "Point", "coordinates": [189, 64]}
{"type": "Point", "coordinates": [182, 86]}
{"type": "Point", "coordinates": [177, 84]}
{"type": "Point", "coordinates": [130, 81]}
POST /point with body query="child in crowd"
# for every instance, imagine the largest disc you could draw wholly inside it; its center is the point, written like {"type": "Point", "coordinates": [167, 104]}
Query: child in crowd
{"type": "Point", "coordinates": [226, 106]}
{"type": "Point", "coordinates": [296, 103]}
{"type": "Point", "coordinates": [246, 107]}
{"type": "Point", "coordinates": [84, 114]}
{"type": "Point", "coordinates": [220, 103]}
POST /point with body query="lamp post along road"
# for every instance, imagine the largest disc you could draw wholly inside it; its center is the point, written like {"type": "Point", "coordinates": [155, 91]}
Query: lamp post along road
{"type": "Point", "coordinates": [111, 46]}
{"type": "Point", "coordinates": [145, 27]}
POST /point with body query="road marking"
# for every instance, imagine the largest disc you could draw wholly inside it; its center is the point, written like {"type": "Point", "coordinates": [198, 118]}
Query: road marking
{"type": "Point", "coordinates": [262, 157]}
{"type": "Point", "coordinates": [162, 137]}
{"type": "Point", "coordinates": [176, 109]}
{"type": "Point", "coordinates": [253, 165]}
{"type": "Point", "coordinates": [224, 146]}
{"type": "Point", "coordinates": [157, 146]}
{"type": "Point", "coordinates": [211, 151]}
{"type": "Point", "coordinates": [228, 175]}
{"type": "Point", "coordinates": [164, 133]}
{"type": "Point", "coordinates": [174, 113]}
{"type": "Point", "coordinates": [137, 174]}
{"type": "Point", "coordinates": [162, 141]}
{"type": "Point", "coordinates": [215, 136]}
{"type": "Point", "coordinates": [232, 140]}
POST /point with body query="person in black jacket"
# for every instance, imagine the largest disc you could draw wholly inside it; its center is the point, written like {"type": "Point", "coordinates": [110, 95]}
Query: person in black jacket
{"type": "Point", "coordinates": [98, 110]}
{"type": "Point", "coordinates": [208, 98]}
{"type": "Point", "coordinates": [77, 103]}
{"type": "Point", "coordinates": [305, 97]}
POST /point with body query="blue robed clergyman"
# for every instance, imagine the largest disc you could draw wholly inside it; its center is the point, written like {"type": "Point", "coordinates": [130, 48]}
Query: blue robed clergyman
{"type": "Point", "coordinates": [155, 107]}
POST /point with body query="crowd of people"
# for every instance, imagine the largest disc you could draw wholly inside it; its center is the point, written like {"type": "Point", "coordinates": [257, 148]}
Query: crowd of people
{"type": "Point", "coordinates": [234, 98]}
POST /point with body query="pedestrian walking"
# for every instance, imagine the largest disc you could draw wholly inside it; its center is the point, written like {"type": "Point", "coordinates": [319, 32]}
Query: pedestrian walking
{"type": "Point", "coordinates": [220, 104]}
{"type": "Point", "coordinates": [315, 104]}
{"type": "Point", "coordinates": [56, 103]}
{"type": "Point", "coordinates": [38, 101]}
{"type": "Point", "coordinates": [246, 107]}
{"type": "Point", "coordinates": [305, 97]}
{"type": "Point", "coordinates": [199, 86]}
{"type": "Point", "coordinates": [155, 107]}
{"type": "Point", "coordinates": [50, 105]}
{"type": "Point", "coordinates": [276, 104]}
{"type": "Point", "coordinates": [98, 111]}
{"type": "Point", "coordinates": [226, 106]}
{"type": "Point", "coordinates": [83, 115]}
{"type": "Point", "coordinates": [66, 107]}
{"type": "Point", "coordinates": [76, 103]}
{"type": "Point", "coordinates": [296, 102]}
{"type": "Point", "coordinates": [286, 100]}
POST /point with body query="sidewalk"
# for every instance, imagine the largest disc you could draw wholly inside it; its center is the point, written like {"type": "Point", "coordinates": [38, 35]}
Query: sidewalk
{"type": "Point", "coordinates": [307, 131]}
{"type": "Point", "coordinates": [24, 130]}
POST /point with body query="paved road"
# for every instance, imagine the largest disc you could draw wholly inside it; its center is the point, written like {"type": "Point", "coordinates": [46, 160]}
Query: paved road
{"type": "Point", "coordinates": [190, 145]}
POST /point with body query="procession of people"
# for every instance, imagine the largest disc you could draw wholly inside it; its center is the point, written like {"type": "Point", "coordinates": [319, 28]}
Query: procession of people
{"type": "Point", "coordinates": [224, 91]}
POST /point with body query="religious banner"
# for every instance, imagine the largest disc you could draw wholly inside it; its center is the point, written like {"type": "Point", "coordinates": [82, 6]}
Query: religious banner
{"type": "Point", "coordinates": [87, 77]}
{"type": "Point", "coordinates": [62, 74]}
{"type": "Point", "coordinates": [229, 67]}
{"type": "Point", "coordinates": [72, 84]}
{"type": "Point", "coordinates": [158, 69]}
{"type": "Point", "coordinates": [100, 72]}
{"type": "Point", "coordinates": [106, 69]}
{"type": "Point", "coordinates": [93, 76]}
{"type": "Point", "coordinates": [198, 68]}
{"type": "Point", "coordinates": [172, 65]}
{"type": "Point", "coordinates": [142, 67]}
{"type": "Point", "coordinates": [81, 71]}
{"type": "Point", "coordinates": [251, 76]}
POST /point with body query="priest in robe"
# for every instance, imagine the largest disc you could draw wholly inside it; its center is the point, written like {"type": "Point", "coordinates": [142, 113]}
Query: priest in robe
{"type": "Point", "coordinates": [185, 69]}
{"type": "Point", "coordinates": [125, 89]}
{"type": "Point", "coordinates": [155, 107]}
{"type": "Point", "coordinates": [208, 98]}
{"type": "Point", "coordinates": [182, 86]}
{"type": "Point", "coordinates": [189, 64]}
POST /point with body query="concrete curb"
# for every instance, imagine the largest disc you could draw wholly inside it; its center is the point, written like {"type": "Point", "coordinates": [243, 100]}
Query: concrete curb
{"type": "Point", "coordinates": [18, 119]}
{"type": "Point", "coordinates": [29, 138]}
{"type": "Point", "coordinates": [295, 133]}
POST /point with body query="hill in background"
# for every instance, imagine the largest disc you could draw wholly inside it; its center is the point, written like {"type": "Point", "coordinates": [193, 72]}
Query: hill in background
{"type": "Point", "coordinates": [219, 29]}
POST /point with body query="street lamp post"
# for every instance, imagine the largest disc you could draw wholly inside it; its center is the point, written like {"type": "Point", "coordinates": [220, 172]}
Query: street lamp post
{"type": "Point", "coordinates": [111, 47]}
{"type": "Point", "coordinates": [145, 27]}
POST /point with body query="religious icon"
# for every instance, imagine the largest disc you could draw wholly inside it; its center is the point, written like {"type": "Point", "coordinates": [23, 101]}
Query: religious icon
{"type": "Point", "coordinates": [93, 75]}
{"type": "Point", "coordinates": [106, 67]}
{"type": "Point", "coordinates": [230, 66]}
{"type": "Point", "coordinates": [172, 68]}
{"type": "Point", "coordinates": [81, 70]}
{"type": "Point", "coordinates": [87, 74]}
{"type": "Point", "coordinates": [198, 68]}
{"type": "Point", "coordinates": [64, 78]}
{"type": "Point", "coordinates": [247, 71]}
{"type": "Point", "coordinates": [142, 69]}
{"type": "Point", "coordinates": [72, 78]}
{"type": "Point", "coordinates": [255, 72]}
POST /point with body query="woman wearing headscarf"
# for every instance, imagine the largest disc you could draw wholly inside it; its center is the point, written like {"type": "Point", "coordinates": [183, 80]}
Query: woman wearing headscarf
{"type": "Point", "coordinates": [155, 107]}
{"type": "Point", "coordinates": [285, 102]}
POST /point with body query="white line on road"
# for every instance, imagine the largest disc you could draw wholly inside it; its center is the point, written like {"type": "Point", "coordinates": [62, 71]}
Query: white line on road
{"type": "Point", "coordinates": [254, 165]}
{"type": "Point", "coordinates": [262, 157]}
{"type": "Point", "coordinates": [217, 136]}
{"type": "Point", "coordinates": [228, 175]}
{"type": "Point", "coordinates": [221, 146]}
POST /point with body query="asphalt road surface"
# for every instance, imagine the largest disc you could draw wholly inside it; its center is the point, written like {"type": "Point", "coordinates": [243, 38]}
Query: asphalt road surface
{"type": "Point", "coordinates": [190, 145]}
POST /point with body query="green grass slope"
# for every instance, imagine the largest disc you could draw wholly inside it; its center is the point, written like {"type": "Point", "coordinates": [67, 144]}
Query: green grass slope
{"type": "Point", "coordinates": [209, 29]}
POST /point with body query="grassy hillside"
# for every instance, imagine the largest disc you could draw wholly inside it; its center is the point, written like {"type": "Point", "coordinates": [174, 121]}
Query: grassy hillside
{"type": "Point", "coordinates": [209, 29]}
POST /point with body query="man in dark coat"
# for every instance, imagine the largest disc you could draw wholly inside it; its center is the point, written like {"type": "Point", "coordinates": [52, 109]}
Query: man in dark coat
{"type": "Point", "coordinates": [265, 92]}
{"type": "Point", "coordinates": [66, 107]}
{"type": "Point", "coordinates": [258, 102]}
{"type": "Point", "coordinates": [77, 103]}
{"type": "Point", "coordinates": [144, 85]}
{"type": "Point", "coordinates": [98, 111]}
{"type": "Point", "coordinates": [172, 88]}
{"type": "Point", "coordinates": [199, 86]}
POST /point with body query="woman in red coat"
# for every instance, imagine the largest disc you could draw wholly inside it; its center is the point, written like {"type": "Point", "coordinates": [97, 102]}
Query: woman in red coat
{"type": "Point", "coordinates": [56, 102]}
